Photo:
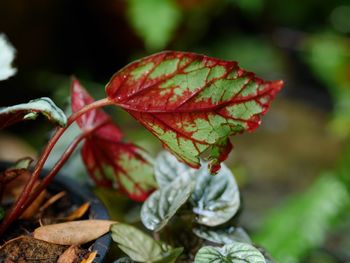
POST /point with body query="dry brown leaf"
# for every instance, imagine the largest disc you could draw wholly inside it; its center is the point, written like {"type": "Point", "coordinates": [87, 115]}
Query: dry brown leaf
{"type": "Point", "coordinates": [79, 212]}
{"type": "Point", "coordinates": [52, 200]}
{"type": "Point", "coordinates": [71, 255]}
{"type": "Point", "coordinates": [33, 209]}
{"type": "Point", "coordinates": [15, 187]}
{"type": "Point", "coordinates": [91, 257]}
{"type": "Point", "coordinates": [73, 233]}
{"type": "Point", "coordinates": [28, 249]}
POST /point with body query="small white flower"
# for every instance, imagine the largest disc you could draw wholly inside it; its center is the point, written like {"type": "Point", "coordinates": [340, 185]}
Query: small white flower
{"type": "Point", "coordinates": [7, 54]}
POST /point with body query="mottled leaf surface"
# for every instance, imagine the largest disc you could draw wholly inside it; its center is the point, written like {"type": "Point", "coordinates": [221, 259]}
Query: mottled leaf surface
{"type": "Point", "coordinates": [167, 169]}
{"type": "Point", "coordinates": [215, 198]}
{"type": "Point", "coordinates": [233, 253]}
{"type": "Point", "coordinates": [162, 205]}
{"type": "Point", "coordinates": [141, 247]}
{"type": "Point", "coordinates": [192, 103]}
{"type": "Point", "coordinates": [223, 236]}
{"type": "Point", "coordinates": [109, 160]}
{"type": "Point", "coordinates": [30, 111]}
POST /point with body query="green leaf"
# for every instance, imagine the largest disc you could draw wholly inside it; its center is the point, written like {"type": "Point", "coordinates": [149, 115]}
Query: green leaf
{"type": "Point", "coordinates": [167, 169]}
{"type": "Point", "coordinates": [124, 260]}
{"type": "Point", "coordinates": [172, 256]}
{"type": "Point", "coordinates": [23, 163]}
{"type": "Point", "coordinates": [7, 55]}
{"type": "Point", "coordinates": [300, 225]}
{"type": "Point", "coordinates": [30, 111]}
{"type": "Point", "coordinates": [223, 236]}
{"type": "Point", "coordinates": [216, 197]}
{"type": "Point", "coordinates": [154, 21]}
{"type": "Point", "coordinates": [233, 253]}
{"type": "Point", "coordinates": [162, 205]}
{"type": "Point", "coordinates": [141, 247]}
{"type": "Point", "coordinates": [333, 51]}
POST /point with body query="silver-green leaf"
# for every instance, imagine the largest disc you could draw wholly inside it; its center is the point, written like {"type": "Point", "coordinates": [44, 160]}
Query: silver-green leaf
{"type": "Point", "coordinates": [216, 197]}
{"type": "Point", "coordinates": [233, 253]}
{"type": "Point", "coordinates": [124, 260]}
{"type": "Point", "coordinates": [141, 247]}
{"type": "Point", "coordinates": [30, 111]}
{"type": "Point", "coordinates": [167, 168]}
{"type": "Point", "coordinates": [223, 236]}
{"type": "Point", "coordinates": [162, 205]}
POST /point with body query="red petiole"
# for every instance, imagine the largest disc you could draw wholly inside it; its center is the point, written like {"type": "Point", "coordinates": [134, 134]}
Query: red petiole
{"type": "Point", "coordinates": [29, 194]}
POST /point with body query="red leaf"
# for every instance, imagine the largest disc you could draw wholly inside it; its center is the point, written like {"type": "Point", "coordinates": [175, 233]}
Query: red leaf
{"type": "Point", "coordinates": [192, 102]}
{"type": "Point", "coordinates": [108, 159]}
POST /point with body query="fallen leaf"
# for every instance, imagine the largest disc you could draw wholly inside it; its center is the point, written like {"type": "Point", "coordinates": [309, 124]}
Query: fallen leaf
{"type": "Point", "coordinates": [70, 255]}
{"type": "Point", "coordinates": [34, 208]}
{"type": "Point", "coordinates": [91, 257]}
{"type": "Point", "coordinates": [74, 254]}
{"type": "Point", "coordinates": [29, 249]}
{"type": "Point", "coordinates": [15, 182]}
{"type": "Point", "coordinates": [73, 233]}
{"type": "Point", "coordinates": [52, 200]}
{"type": "Point", "coordinates": [79, 212]}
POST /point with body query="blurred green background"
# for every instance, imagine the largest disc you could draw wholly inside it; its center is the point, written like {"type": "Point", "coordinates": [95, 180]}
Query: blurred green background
{"type": "Point", "coordinates": [294, 172]}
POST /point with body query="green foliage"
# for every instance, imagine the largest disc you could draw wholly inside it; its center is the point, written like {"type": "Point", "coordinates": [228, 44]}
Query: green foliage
{"type": "Point", "coordinates": [142, 248]}
{"type": "Point", "coordinates": [328, 57]}
{"type": "Point", "coordinates": [252, 7]}
{"type": "Point", "coordinates": [124, 260]}
{"type": "Point", "coordinates": [154, 21]}
{"type": "Point", "coordinates": [215, 199]}
{"type": "Point", "coordinates": [301, 224]}
{"type": "Point", "coordinates": [167, 169]}
{"type": "Point", "coordinates": [162, 205]}
{"type": "Point", "coordinates": [233, 253]}
{"type": "Point", "coordinates": [223, 236]}
{"type": "Point", "coordinates": [246, 50]}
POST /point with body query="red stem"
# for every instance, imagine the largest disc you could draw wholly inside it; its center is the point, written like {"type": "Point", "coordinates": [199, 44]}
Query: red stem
{"type": "Point", "coordinates": [20, 204]}
{"type": "Point", "coordinates": [57, 167]}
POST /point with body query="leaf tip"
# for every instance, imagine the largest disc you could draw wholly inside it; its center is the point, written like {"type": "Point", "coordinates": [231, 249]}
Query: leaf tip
{"type": "Point", "coordinates": [276, 86]}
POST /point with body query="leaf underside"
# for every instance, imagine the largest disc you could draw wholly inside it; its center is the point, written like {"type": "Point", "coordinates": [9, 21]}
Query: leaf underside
{"type": "Point", "coordinates": [30, 111]}
{"type": "Point", "coordinates": [109, 160]}
{"type": "Point", "coordinates": [192, 103]}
